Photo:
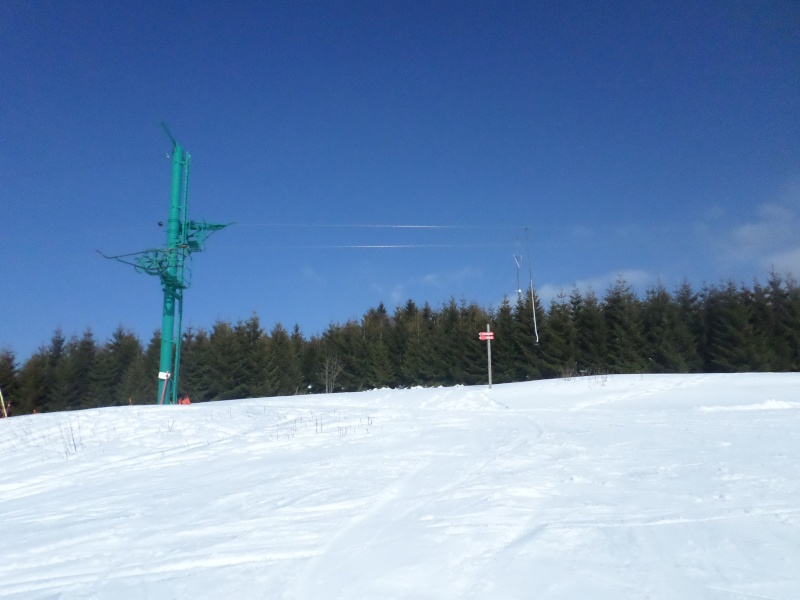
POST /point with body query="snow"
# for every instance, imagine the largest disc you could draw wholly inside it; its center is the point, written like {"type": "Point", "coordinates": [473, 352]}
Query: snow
{"type": "Point", "coordinates": [674, 486]}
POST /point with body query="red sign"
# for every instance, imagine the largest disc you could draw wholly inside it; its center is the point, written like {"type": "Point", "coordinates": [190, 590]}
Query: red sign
{"type": "Point", "coordinates": [486, 335]}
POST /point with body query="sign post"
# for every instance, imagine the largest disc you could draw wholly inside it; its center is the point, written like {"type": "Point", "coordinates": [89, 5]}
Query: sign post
{"type": "Point", "coordinates": [488, 336]}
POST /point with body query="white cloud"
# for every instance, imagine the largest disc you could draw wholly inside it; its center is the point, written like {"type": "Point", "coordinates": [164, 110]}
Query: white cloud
{"type": "Point", "coordinates": [311, 275]}
{"type": "Point", "coordinates": [442, 279]}
{"type": "Point", "coordinates": [786, 263]}
{"type": "Point", "coordinates": [770, 239]}
{"type": "Point", "coordinates": [638, 279]}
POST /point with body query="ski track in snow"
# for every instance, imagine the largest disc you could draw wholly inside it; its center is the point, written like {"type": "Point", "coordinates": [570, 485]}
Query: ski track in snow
{"type": "Point", "coordinates": [619, 487]}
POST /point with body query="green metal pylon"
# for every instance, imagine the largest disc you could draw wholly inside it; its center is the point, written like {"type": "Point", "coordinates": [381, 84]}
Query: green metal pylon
{"type": "Point", "coordinates": [183, 238]}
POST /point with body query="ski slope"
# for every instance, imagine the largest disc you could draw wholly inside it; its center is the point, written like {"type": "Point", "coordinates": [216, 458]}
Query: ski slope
{"type": "Point", "coordinates": [619, 487]}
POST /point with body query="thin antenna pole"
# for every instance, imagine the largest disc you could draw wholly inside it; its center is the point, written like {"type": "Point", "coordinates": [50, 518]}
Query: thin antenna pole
{"type": "Point", "coordinates": [519, 289]}
{"type": "Point", "coordinates": [530, 275]}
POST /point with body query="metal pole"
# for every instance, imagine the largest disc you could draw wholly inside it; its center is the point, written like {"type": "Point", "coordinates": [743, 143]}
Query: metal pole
{"type": "Point", "coordinates": [168, 282]}
{"type": "Point", "coordinates": [489, 354]}
{"type": "Point", "coordinates": [181, 272]}
{"type": "Point", "coordinates": [3, 402]}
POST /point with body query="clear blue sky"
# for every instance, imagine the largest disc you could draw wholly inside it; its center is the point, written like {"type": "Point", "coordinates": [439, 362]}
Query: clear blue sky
{"type": "Point", "coordinates": [657, 140]}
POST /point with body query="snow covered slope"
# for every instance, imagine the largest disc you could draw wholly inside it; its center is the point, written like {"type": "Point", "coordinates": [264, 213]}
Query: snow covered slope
{"type": "Point", "coordinates": [621, 487]}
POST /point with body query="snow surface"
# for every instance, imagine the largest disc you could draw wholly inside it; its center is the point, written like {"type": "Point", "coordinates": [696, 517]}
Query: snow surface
{"type": "Point", "coordinates": [616, 487]}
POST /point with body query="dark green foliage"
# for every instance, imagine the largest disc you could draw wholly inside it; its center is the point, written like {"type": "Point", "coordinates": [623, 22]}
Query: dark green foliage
{"type": "Point", "coordinates": [729, 330]}
{"type": "Point", "coordinates": [9, 378]}
{"type": "Point", "coordinates": [591, 338]}
{"type": "Point", "coordinates": [559, 340]}
{"type": "Point", "coordinates": [77, 374]}
{"type": "Point", "coordinates": [237, 361]}
{"type": "Point", "coordinates": [725, 328]}
{"type": "Point", "coordinates": [283, 376]}
{"type": "Point", "coordinates": [504, 353]}
{"type": "Point", "coordinates": [624, 330]}
{"type": "Point", "coordinates": [380, 370]}
{"type": "Point", "coordinates": [529, 363]}
{"type": "Point", "coordinates": [669, 342]}
{"type": "Point", "coordinates": [419, 362]}
{"type": "Point", "coordinates": [196, 378]}
{"type": "Point", "coordinates": [110, 366]}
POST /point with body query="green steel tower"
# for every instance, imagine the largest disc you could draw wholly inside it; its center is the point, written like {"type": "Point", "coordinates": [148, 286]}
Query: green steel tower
{"type": "Point", "coordinates": [171, 264]}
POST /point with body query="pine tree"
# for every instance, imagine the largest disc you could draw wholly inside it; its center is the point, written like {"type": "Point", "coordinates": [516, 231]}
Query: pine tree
{"type": "Point", "coordinates": [781, 323]}
{"type": "Point", "coordinates": [559, 340]}
{"type": "Point", "coordinates": [33, 392]}
{"type": "Point", "coordinates": [345, 347]}
{"type": "Point", "coordinates": [623, 319]}
{"type": "Point", "coordinates": [196, 366]}
{"type": "Point", "coordinates": [763, 353]}
{"type": "Point", "coordinates": [379, 369]}
{"type": "Point", "coordinates": [668, 339]}
{"type": "Point", "coordinates": [727, 321]}
{"type": "Point", "coordinates": [689, 342]}
{"type": "Point", "coordinates": [9, 381]}
{"type": "Point", "coordinates": [791, 322]}
{"type": "Point", "coordinates": [504, 357]}
{"type": "Point", "coordinates": [134, 386]}
{"type": "Point", "coordinates": [472, 319]}
{"type": "Point", "coordinates": [421, 363]}
{"type": "Point", "coordinates": [250, 346]}
{"type": "Point", "coordinates": [591, 332]}
{"type": "Point", "coordinates": [283, 376]}
{"type": "Point", "coordinates": [528, 352]}
{"type": "Point", "coordinates": [225, 372]}
{"type": "Point", "coordinates": [110, 366]}
{"type": "Point", "coordinates": [447, 336]}
{"type": "Point", "coordinates": [74, 374]}
{"type": "Point", "coordinates": [305, 359]}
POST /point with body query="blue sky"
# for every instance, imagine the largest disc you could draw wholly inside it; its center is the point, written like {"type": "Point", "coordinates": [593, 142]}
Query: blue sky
{"type": "Point", "coordinates": [653, 140]}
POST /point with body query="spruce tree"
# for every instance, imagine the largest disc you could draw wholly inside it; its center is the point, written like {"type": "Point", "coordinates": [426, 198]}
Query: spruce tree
{"type": "Point", "coordinates": [625, 335]}
{"type": "Point", "coordinates": [689, 341]}
{"type": "Point", "coordinates": [283, 375]}
{"type": "Point", "coordinates": [504, 357]}
{"type": "Point", "coordinates": [472, 319]}
{"type": "Point", "coordinates": [196, 365]}
{"type": "Point", "coordinates": [668, 339]}
{"type": "Point", "coordinates": [591, 333]}
{"type": "Point", "coordinates": [9, 381]}
{"type": "Point", "coordinates": [305, 359]}
{"type": "Point", "coordinates": [528, 352]}
{"type": "Point", "coordinates": [559, 340]}
{"type": "Point", "coordinates": [75, 373]}
{"type": "Point", "coordinates": [379, 369]}
{"type": "Point", "coordinates": [421, 363]}
{"type": "Point", "coordinates": [110, 366]}
{"type": "Point", "coordinates": [33, 391]}
{"type": "Point", "coordinates": [782, 323]}
{"type": "Point", "coordinates": [727, 321]}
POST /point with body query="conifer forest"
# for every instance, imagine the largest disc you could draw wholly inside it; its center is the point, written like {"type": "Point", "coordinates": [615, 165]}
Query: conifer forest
{"type": "Point", "coordinates": [720, 328]}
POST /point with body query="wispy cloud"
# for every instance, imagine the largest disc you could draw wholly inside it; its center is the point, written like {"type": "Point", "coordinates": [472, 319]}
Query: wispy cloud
{"type": "Point", "coordinates": [443, 279]}
{"type": "Point", "coordinates": [393, 294]}
{"type": "Point", "coordinates": [311, 275]}
{"type": "Point", "coordinates": [636, 278]}
{"type": "Point", "coordinates": [770, 239]}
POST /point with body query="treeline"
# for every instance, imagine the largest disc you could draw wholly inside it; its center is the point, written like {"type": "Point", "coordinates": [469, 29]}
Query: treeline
{"type": "Point", "coordinates": [721, 328]}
